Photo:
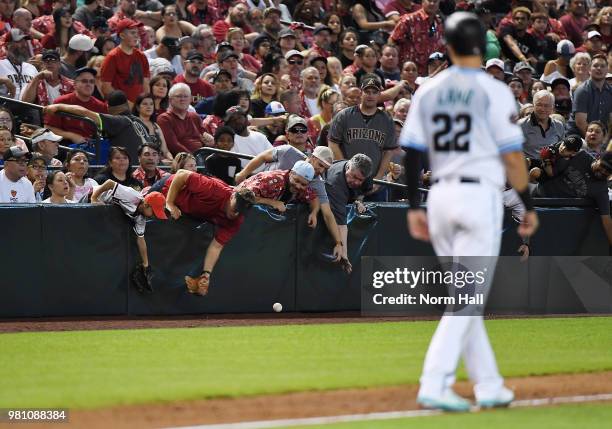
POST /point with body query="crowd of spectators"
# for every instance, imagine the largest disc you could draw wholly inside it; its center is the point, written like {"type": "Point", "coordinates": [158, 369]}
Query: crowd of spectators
{"type": "Point", "coordinates": [161, 80]}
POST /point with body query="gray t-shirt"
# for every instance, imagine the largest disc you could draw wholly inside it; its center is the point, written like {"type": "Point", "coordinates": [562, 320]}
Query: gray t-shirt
{"type": "Point", "coordinates": [536, 138]}
{"type": "Point", "coordinates": [284, 158]}
{"type": "Point", "coordinates": [339, 192]}
{"type": "Point", "coordinates": [356, 133]}
{"type": "Point", "coordinates": [595, 103]}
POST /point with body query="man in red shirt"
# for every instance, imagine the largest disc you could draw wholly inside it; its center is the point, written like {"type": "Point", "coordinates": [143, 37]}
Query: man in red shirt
{"type": "Point", "coordinates": [200, 89]}
{"type": "Point", "coordinates": [182, 129]}
{"type": "Point", "coordinates": [419, 34]}
{"type": "Point", "coordinates": [574, 21]}
{"type": "Point", "coordinates": [127, 10]}
{"type": "Point", "coordinates": [211, 200]}
{"type": "Point", "coordinates": [126, 68]}
{"type": "Point", "coordinates": [73, 129]}
{"type": "Point", "coordinates": [203, 13]}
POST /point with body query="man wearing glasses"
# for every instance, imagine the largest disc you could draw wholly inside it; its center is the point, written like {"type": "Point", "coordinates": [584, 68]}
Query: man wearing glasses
{"type": "Point", "coordinates": [73, 129]}
{"type": "Point", "coordinates": [295, 59]}
{"type": "Point", "coordinates": [48, 84]}
{"type": "Point", "coordinates": [15, 187]}
{"type": "Point", "coordinates": [200, 89]}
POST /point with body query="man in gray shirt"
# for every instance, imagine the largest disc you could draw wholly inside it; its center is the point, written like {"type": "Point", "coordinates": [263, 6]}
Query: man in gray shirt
{"type": "Point", "coordinates": [592, 99]}
{"type": "Point", "coordinates": [539, 128]}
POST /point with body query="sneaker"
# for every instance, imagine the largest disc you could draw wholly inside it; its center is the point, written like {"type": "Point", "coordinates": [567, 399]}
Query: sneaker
{"type": "Point", "coordinates": [503, 399]}
{"type": "Point", "coordinates": [449, 401]}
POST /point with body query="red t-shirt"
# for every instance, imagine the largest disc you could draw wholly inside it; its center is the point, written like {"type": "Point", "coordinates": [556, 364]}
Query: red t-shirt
{"type": "Point", "coordinates": [182, 135]}
{"type": "Point", "coordinates": [205, 198]}
{"type": "Point", "coordinates": [126, 72]}
{"type": "Point", "coordinates": [199, 89]}
{"type": "Point", "coordinates": [74, 125]}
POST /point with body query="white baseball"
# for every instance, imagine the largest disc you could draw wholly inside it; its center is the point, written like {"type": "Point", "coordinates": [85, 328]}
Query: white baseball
{"type": "Point", "coordinates": [278, 307]}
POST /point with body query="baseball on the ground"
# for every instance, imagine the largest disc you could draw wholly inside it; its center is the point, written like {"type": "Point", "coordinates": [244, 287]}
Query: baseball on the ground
{"type": "Point", "coordinates": [278, 307]}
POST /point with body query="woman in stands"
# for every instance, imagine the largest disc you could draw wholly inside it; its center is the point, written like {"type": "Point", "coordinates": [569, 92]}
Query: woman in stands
{"type": "Point", "coordinates": [96, 64]}
{"type": "Point", "coordinates": [235, 37]}
{"type": "Point", "coordinates": [144, 108]}
{"type": "Point", "coordinates": [276, 64]}
{"type": "Point", "coordinates": [184, 161]}
{"type": "Point", "coordinates": [172, 27]}
{"type": "Point", "coordinates": [119, 169]}
{"type": "Point", "coordinates": [64, 30]}
{"type": "Point", "coordinates": [266, 91]}
{"type": "Point", "coordinates": [159, 88]}
{"type": "Point", "coordinates": [60, 187]}
{"type": "Point", "coordinates": [7, 120]}
{"type": "Point", "coordinates": [76, 168]}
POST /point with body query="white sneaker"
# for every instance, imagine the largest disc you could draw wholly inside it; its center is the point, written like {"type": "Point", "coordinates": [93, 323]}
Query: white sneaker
{"type": "Point", "coordinates": [502, 399]}
{"type": "Point", "coordinates": [449, 401]}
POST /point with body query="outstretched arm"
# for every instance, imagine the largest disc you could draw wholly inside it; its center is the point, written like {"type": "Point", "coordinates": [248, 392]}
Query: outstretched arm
{"type": "Point", "coordinates": [178, 183]}
{"type": "Point", "coordinates": [106, 186]}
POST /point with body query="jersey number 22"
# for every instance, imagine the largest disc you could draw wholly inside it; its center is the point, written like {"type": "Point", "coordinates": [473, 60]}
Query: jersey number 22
{"type": "Point", "coordinates": [454, 132]}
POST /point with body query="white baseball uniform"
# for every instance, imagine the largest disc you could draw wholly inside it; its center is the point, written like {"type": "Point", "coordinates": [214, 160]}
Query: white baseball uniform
{"type": "Point", "coordinates": [465, 119]}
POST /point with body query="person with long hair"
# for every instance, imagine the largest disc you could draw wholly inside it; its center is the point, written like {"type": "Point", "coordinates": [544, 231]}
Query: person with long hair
{"type": "Point", "coordinates": [159, 86]}
{"type": "Point", "coordinates": [261, 47]}
{"type": "Point", "coordinates": [144, 109]}
{"type": "Point", "coordinates": [366, 17]}
{"type": "Point", "coordinates": [334, 70]}
{"type": "Point", "coordinates": [604, 20]}
{"type": "Point", "coordinates": [184, 161]}
{"type": "Point", "coordinates": [60, 188]}
{"type": "Point", "coordinates": [409, 74]}
{"type": "Point", "coordinates": [346, 47]}
{"type": "Point", "coordinates": [276, 64]}
{"type": "Point", "coordinates": [235, 37]}
{"type": "Point", "coordinates": [95, 63]}
{"type": "Point", "coordinates": [64, 30]}
{"type": "Point", "coordinates": [119, 169]}
{"type": "Point", "coordinates": [334, 22]}
{"type": "Point", "coordinates": [325, 101]}
{"type": "Point", "coordinates": [222, 103]}
{"type": "Point", "coordinates": [172, 26]}
{"type": "Point", "coordinates": [76, 168]}
{"type": "Point", "coordinates": [266, 90]}
{"type": "Point", "coordinates": [596, 138]}
{"type": "Point", "coordinates": [306, 12]}
{"type": "Point", "coordinates": [7, 120]}
{"type": "Point", "coordinates": [104, 45]}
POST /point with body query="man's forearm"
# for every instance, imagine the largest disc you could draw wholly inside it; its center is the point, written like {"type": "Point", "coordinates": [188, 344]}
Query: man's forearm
{"type": "Point", "coordinates": [335, 147]}
{"type": "Point", "coordinates": [212, 255]}
{"type": "Point", "coordinates": [384, 164]}
{"type": "Point", "coordinates": [142, 250]}
{"type": "Point", "coordinates": [330, 222]}
{"type": "Point", "coordinates": [178, 183]}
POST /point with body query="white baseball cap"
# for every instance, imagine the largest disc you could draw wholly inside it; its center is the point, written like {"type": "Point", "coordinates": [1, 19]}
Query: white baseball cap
{"type": "Point", "coordinates": [45, 134]}
{"type": "Point", "coordinates": [324, 154]}
{"type": "Point", "coordinates": [81, 42]}
{"type": "Point", "coordinates": [494, 62]}
{"type": "Point", "coordinates": [293, 53]}
{"type": "Point", "coordinates": [304, 169]}
{"type": "Point", "coordinates": [593, 33]}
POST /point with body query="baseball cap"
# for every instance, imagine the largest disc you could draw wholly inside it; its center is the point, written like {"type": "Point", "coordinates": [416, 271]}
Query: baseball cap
{"type": "Point", "coordinates": [566, 48]}
{"type": "Point", "coordinates": [221, 72]}
{"type": "Point", "coordinates": [14, 153]}
{"type": "Point", "coordinates": [50, 54]}
{"type": "Point", "coordinates": [161, 66]}
{"type": "Point", "coordinates": [297, 26]}
{"type": "Point", "coordinates": [157, 201]}
{"type": "Point", "coordinates": [195, 55]}
{"type": "Point", "coordinates": [227, 54]}
{"type": "Point", "coordinates": [287, 33]}
{"type": "Point", "coordinates": [234, 110]}
{"type": "Point", "coordinates": [436, 56]}
{"type": "Point", "coordinates": [85, 70]}
{"type": "Point", "coordinates": [593, 33]}
{"type": "Point", "coordinates": [360, 48]}
{"type": "Point", "coordinates": [560, 81]}
{"type": "Point", "coordinates": [44, 134]}
{"type": "Point", "coordinates": [270, 10]}
{"type": "Point", "coordinates": [324, 154]}
{"type": "Point", "coordinates": [99, 22]}
{"type": "Point", "coordinates": [186, 39]}
{"type": "Point", "coordinates": [37, 157]}
{"type": "Point", "coordinates": [293, 53]}
{"type": "Point", "coordinates": [495, 62]}
{"type": "Point", "coordinates": [116, 98]}
{"type": "Point", "coordinates": [320, 28]}
{"type": "Point", "coordinates": [370, 80]}
{"type": "Point", "coordinates": [224, 45]}
{"type": "Point", "coordinates": [304, 169]}
{"type": "Point", "coordinates": [16, 35]}
{"type": "Point", "coordinates": [296, 120]}
{"type": "Point", "coordinates": [317, 58]}
{"type": "Point", "coordinates": [127, 24]}
{"type": "Point", "coordinates": [523, 65]}
{"type": "Point", "coordinates": [275, 108]}
{"type": "Point", "coordinates": [81, 42]}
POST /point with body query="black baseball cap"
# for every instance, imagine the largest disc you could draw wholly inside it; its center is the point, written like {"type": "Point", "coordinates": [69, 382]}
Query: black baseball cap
{"type": "Point", "coordinates": [371, 80]}
{"type": "Point", "coordinates": [195, 55]}
{"type": "Point", "coordinates": [227, 54]}
{"type": "Point", "coordinates": [116, 98]}
{"type": "Point", "coordinates": [320, 28]}
{"type": "Point", "coordinates": [85, 70]}
{"type": "Point", "coordinates": [221, 72]}
{"type": "Point", "coordinates": [99, 22]}
{"type": "Point", "coordinates": [171, 43]}
{"type": "Point", "coordinates": [50, 54]}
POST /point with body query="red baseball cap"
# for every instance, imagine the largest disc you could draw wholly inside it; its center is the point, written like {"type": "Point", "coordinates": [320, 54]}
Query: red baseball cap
{"type": "Point", "coordinates": [157, 201]}
{"type": "Point", "coordinates": [126, 23]}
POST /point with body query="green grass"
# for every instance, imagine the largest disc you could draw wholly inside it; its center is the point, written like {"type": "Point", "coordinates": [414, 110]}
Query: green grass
{"type": "Point", "coordinates": [592, 416]}
{"type": "Point", "coordinates": [87, 369]}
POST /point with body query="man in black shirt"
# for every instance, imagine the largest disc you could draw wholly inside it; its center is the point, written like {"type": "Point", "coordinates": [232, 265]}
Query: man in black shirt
{"type": "Point", "coordinates": [582, 177]}
{"type": "Point", "coordinates": [518, 45]}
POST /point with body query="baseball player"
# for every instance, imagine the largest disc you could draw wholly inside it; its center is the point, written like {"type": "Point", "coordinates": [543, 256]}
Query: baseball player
{"type": "Point", "coordinates": [464, 119]}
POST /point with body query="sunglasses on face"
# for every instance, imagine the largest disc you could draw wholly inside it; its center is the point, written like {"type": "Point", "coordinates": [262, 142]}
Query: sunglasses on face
{"type": "Point", "coordinates": [298, 62]}
{"type": "Point", "coordinates": [298, 130]}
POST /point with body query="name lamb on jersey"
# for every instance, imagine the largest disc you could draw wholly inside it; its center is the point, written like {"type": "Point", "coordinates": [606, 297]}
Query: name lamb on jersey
{"type": "Point", "coordinates": [365, 134]}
